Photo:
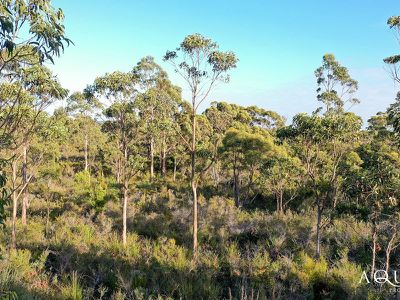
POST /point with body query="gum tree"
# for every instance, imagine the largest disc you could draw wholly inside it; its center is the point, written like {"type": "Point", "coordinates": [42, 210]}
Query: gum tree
{"type": "Point", "coordinates": [199, 62]}
{"type": "Point", "coordinates": [335, 86]}
{"type": "Point", "coordinates": [122, 125]}
{"type": "Point", "coordinates": [148, 73]}
{"type": "Point", "coordinates": [393, 61]}
{"type": "Point", "coordinates": [83, 105]}
{"type": "Point", "coordinates": [27, 28]}
{"type": "Point", "coordinates": [322, 144]}
{"type": "Point", "coordinates": [40, 89]}
{"type": "Point", "coordinates": [157, 102]}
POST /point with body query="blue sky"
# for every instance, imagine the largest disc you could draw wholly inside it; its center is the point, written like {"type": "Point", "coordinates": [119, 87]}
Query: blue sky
{"type": "Point", "coordinates": [279, 44]}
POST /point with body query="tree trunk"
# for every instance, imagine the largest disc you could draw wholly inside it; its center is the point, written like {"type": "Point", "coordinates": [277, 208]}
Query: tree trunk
{"type": "Point", "coordinates": [86, 152]}
{"type": "Point", "coordinates": [374, 238]}
{"type": "Point", "coordinates": [318, 241]}
{"type": "Point", "coordinates": [25, 199]}
{"type": "Point", "coordinates": [389, 251]}
{"type": "Point", "coordinates": [15, 205]}
{"type": "Point", "coordinates": [163, 159]}
{"type": "Point", "coordinates": [215, 174]}
{"type": "Point", "coordinates": [125, 196]}
{"type": "Point", "coordinates": [151, 158]}
{"type": "Point", "coordinates": [236, 184]}
{"type": "Point", "coordinates": [47, 218]}
{"type": "Point", "coordinates": [124, 211]}
{"type": "Point", "coordinates": [279, 202]}
{"type": "Point", "coordinates": [335, 194]}
{"type": "Point", "coordinates": [174, 176]}
{"type": "Point", "coordinates": [118, 162]}
{"type": "Point", "coordinates": [193, 183]}
{"type": "Point", "coordinates": [118, 170]}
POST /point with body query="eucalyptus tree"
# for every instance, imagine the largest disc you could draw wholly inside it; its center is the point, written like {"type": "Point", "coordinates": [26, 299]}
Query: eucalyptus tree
{"type": "Point", "coordinates": [41, 89]}
{"type": "Point", "coordinates": [122, 125]}
{"type": "Point", "coordinates": [265, 119]}
{"type": "Point", "coordinates": [393, 61]}
{"type": "Point", "coordinates": [35, 25]}
{"type": "Point", "coordinates": [27, 29]}
{"type": "Point", "coordinates": [45, 89]}
{"type": "Point", "coordinates": [170, 99]}
{"type": "Point", "coordinates": [322, 143]}
{"type": "Point", "coordinates": [157, 103]}
{"type": "Point", "coordinates": [199, 62]}
{"type": "Point", "coordinates": [149, 73]}
{"type": "Point", "coordinates": [10, 143]}
{"type": "Point", "coordinates": [393, 117]}
{"type": "Point", "coordinates": [31, 33]}
{"type": "Point", "coordinates": [373, 182]}
{"type": "Point", "coordinates": [84, 106]}
{"type": "Point", "coordinates": [283, 176]}
{"type": "Point", "coordinates": [221, 116]}
{"type": "Point", "coordinates": [335, 86]}
{"type": "Point", "coordinates": [245, 151]}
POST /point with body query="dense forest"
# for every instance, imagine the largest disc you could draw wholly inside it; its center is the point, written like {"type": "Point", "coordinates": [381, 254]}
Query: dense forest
{"type": "Point", "coordinates": [128, 191]}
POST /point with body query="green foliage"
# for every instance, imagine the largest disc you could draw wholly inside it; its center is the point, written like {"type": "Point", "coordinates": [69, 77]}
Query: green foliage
{"type": "Point", "coordinates": [284, 212]}
{"type": "Point", "coordinates": [329, 76]}
{"type": "Point", "coordinates": [393, 116]}
{"type": "Point", "coordinates": [42, 32]}
{"type": "Point", "coordinates": [72, 290]}
{"type": "Point", "coordinates": [4, 196]}
{"type": "Point", "coordinates": [91, 190]}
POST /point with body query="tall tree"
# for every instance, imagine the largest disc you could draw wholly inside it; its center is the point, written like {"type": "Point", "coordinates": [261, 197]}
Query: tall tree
{"type": "Point", "coordinates": [393, 116]}
{"type": "Point", "coordinates": [201, 65]}
{"type": "Point", "coordinates": [157, 103]}
{"type": "Point", "coordinates": [83, 105]}
{"type": "Point", "coordinates": [245, 151]}
{"type": "Point", "coordinates": [45, 89]}
{"type": "Point", "coordinates": [28, 28]}
{"type": "Point", "coordinates": [335, 86]}
{"type": "Point", "coordinates": [119, 88]}
{"type": "Point", "coordinates": [394, 61]}
{"type": "Point", "coordinates": [148, 73]}
{"type": "Point", "coordinates": [372, 185]}
{"type": "Point", "coordinates": [322, 142]}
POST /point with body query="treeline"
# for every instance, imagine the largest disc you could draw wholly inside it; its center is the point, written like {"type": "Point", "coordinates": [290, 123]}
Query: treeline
{"type": "Point", "coordinates": [128, 175]}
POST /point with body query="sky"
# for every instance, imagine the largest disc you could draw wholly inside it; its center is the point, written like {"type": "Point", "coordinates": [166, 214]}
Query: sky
{"type": "Point", "coordinates": [279, 45]}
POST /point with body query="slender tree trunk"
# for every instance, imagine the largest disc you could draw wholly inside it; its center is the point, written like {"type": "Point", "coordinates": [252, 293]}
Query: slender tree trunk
{"type": "Point", "coordinates": [279, 202]}
{"type": "Point", "coordinates": [193, 182]}
{"type": "Point", "coordinates": [215, 174]}
{"type": "Point", "coordinates": [124, 212]}
{"type": "Point", "coordinates": [151, 158]}
{"type": "Point", "coordinates": [25, 199]}
{"type": "Point", "coordinates": [118, 170]}
{"type": "Point", "coordinates": [125, 197]}
{"type": "Point", "coordinates": [15, 206]}
{"type": "Point", "coordinates": [389, 251]}
{"type": "Point", "coordinates": [118, 163]}
{"type": "Point", "coordinates": [236, 184]}
{"type": "Point", "coordinates": [335, 194]}
{"type": "Point", "coordinates": [163, 159]}
{"type": "Point", "coordinates": [318, 241]}
{"type": "Point", "coordinates": [174, 176]}
{"type": "Point", "coordinates": [48, 209]}
{"type": "Point", "coordinates": [47, 218]}
{"type": "Point", "coordinates": [374, 238]}
{"type": "Point", "coordinates": [86, 152]}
